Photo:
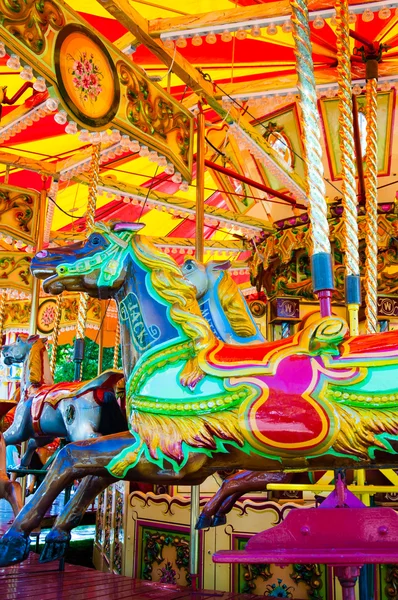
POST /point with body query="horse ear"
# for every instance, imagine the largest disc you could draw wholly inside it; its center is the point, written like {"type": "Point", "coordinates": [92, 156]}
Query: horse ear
{"type": "Point", "coordinates": [32, 339]}
{"type": "Point", "coordinates": [220, 265]}
{"type": "Point", "coordinates": [128, 226]}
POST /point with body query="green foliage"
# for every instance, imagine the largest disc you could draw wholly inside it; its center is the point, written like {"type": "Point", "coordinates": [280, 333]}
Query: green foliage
{"type": "Point", "coordinates": [64, 370]}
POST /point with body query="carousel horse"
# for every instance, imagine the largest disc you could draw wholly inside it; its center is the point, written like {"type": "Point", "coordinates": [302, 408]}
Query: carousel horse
{"type": "Point", "coordinates": [10, 491]}
{"type": "Point", "coordinates": [195, 405]}
{"type": "Point", "coordinates": [74, 411]}
{"type": "Point", "coordinates": [221, 302]}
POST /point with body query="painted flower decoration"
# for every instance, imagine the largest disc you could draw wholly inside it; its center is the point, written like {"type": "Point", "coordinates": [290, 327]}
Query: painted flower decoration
{"type": "Point", "coordinates": [87, 77]}
{"type": "Point", "coordinates": [48, 315]}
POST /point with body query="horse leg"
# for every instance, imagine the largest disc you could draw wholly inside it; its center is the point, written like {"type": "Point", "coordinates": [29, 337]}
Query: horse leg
{"type": "Point", "coordinates": [74, 461]}
{"type": "Point", "coordinates": [220, 518]}
{"type": "Point", "coordinates": [57, 540]}
{"type": "Point", "coordinates": [239, 484]}
{"type": "Point", "coordinates": [12, 492]}
{"type": "Point", "coordinates": [33, 445]}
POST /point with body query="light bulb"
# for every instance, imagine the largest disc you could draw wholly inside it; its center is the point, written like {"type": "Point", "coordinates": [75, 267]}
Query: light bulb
{"type": "Point", "coordinates": [51, 104]}
{"type": "Point", "coordinates": [3, 50]}
{"type": "Point", "coordinates": [255, 31]}
{"type": "Point", "coordinates": [211, 38]}
{"type": "Point", "coordinates": [330, 93]}
{"type": "Point", "coordinates": [385, 86]}
{"type": "Point", "coordinates": [134, 146]}
{"type": "Point", "coordinates": [184, 187]}
{"type": "Point", "coordinates": [176, 178]}
{"type": "Point", "coordinates": [356, 89]}
{"type": "Point", "coordinates": [115, 136]}
{"type": "Point", "coordinates": [40, 85]}
{"type": "Point", "coordinates": [84, 136]}
{"type": "Point", "coordinates": [272, 29]}
{"type": "Point", "coordinates": [226, 36]}
{"type": "Point", "coordinates": [13, 62]}
{"type": "Point", "coordinates": [169, 44]}
{"type": "Point", "coordinates": [96, 137]}
{"type": "Point", "coordinates": [144, 151]}
{"type": "Point", "coordinates": [367, 16]}
{"type": "Point", "coordinates": [169, 170]}
{"type": "Point", "coordinates": [287, 26]}
{"type": "Point", "coordinates": [61, 117]}
{"type": "Point", "coordinates": [153, 156]}
{"type": "Point", "coordinates": [125, 141]}
{"type": "Point", "coordinates": [105, 137]}
{"type": "Point", "coordinates": [384, 13]}
{"type": "Point", "coordinates": [181, 42]}
{"type": "Point", "coordinates": [352, 18]}
{"type": "Point", "coordinates": [333, 21]}
{"type": "Point", "coordinates": [71, 128]}
{"type": "Point", "coordinates": [197, 40]}
{"type": "Point", "coordinates": [162, 162]}
{"type": "Point", "coordinates": [241, 34]}
{"type": "Point", "coordinates": [318, 22]}
{"type": "Point", "coordinates": [26, 74]}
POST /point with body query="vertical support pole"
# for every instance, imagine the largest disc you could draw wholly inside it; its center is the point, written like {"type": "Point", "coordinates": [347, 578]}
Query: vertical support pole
{"type": "Point", "coordinates": [348, 577]}
{"type": "Point", "coordinates": [7, 175]}
{"type": "Point", "coordinates": [347, 149]}
{"type": "Point", "coordinates": [39, 245]}
{"type": "Point", "coordinates": [116, 347]}
{"type": "Point", "coordinates": [371, 197]}
{"type": "Point", "coordinates": [200, 198]}
{"type": "Point", "coordinates": [78, 355]}
{"type": "Point", "coordinates": [57, 325]}
{"type": "Point", "coordinates": [321, 258]}
{"type": "Point", "coordinates": [384, 325]}
{"type": "Point", "coordinates": [194, 536]}
{"type": "Point", "coordinates": [101, 337]}
{"type": "Point", "coordinates": [3, 299]}
{"type": "Point", "coordinates": [285, 327]}
{"type": "Point", "coordinates": [199, 252]}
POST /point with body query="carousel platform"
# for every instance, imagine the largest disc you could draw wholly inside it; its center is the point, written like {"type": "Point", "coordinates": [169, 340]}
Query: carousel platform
{"type": "Point", "coordinates": [44, 582]}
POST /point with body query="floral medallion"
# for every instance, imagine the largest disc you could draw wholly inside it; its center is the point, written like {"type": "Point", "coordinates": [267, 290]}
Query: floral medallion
{"type": "Point", "coordinates": [86, 76]}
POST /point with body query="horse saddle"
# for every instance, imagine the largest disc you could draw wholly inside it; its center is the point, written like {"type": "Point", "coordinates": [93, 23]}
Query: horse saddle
{"type": "Point", "coordinates": [53, 394]}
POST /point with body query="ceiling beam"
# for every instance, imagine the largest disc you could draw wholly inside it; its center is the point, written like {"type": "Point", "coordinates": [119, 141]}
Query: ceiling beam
{"type": "Point", "coordinates": [28, 164]}
{"type": "Point", "coordinates": [232, 16]}
{"type": "Point", "coordinates": [139, 27]}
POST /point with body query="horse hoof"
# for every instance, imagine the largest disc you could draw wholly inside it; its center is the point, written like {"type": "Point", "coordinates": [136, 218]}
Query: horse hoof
{"type": "Point", "coordinates": [55, 546]}
{"type": "Point", "coordinates": [14, 548]}
{"type": "Point", "coordinates": [203, 522]}
{"type": "Point", "coordinates": [219, 520]}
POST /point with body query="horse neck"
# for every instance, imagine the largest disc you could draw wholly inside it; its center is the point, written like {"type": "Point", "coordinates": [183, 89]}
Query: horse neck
{"type": "Point", "coordinates": [143, 318]}
{"type": "Point", "coordinates": [37, 373]}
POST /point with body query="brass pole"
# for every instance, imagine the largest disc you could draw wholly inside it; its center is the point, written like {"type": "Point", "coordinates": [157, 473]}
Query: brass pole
{"type": "Point", "coordinates": [3, 299]}
{"type": "Point", "coordinates": [200, 181]}
{"type": "Point", "coordinates": [39, 245]}
{"type": "Point", "coordinates": [199, 252]}
{"type": "Point", "coordinates": [101, 337]}
{"type": "Point", "coordinates": [116, 347]}
{"type": "Point", "coordinates": [83, 302]}
{"type": "Point", "coordinates": [57, 324]}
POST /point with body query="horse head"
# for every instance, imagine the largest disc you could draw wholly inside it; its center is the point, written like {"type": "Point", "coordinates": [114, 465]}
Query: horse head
{"type": "Point", "coordinates": [97, 262]}
{"type": "Point", "coordinates": [203, 276]}
{"type": "Point", "coordinates": [16, 353]}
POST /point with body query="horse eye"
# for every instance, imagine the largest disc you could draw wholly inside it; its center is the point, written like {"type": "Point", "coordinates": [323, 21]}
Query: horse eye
{"type": "Point", "coordinates": [188, 267]}
{"type": "Point", "coordinates": [95, 240]}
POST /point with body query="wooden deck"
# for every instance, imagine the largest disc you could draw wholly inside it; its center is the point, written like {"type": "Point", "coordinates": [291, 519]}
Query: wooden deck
{"type": "Point", "coordinates": [43, 582]}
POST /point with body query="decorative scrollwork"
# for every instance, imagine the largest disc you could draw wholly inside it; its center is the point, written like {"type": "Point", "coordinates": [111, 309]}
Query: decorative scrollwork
{"type": "Point", "coordinates": [311, 575]}
{"type": "Point", "coordinates": [15, 270]}
{"type": "Point", "coordinates": [152, 114]}
{"type": "Point", "coordinates": [22, 207]}
{"type": "Point", "coordinates": [253, 572]}
{"type": "Point", "coordinates": [391, 588]}
{"type": "Point", "coordinates": [30, 21]}
{"type": "Point", "coordinates": [154, 544]}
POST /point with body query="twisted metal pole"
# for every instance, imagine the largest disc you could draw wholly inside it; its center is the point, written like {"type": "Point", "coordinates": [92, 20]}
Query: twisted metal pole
{"type": "Point", "coordinates": [347, 149]}
{"type": "Point", "coordinates": [116, 347]}
{"type": "Point", "coordinates": [78, 356]}
{"type": "Point", "coordinates": [55, 336]}
{"type": "Point", "coordinates": [371, 205]}
{"type": "Point", "coordinates": [3, 299]}
{"type": "Point", "coordinates": [321, 261]}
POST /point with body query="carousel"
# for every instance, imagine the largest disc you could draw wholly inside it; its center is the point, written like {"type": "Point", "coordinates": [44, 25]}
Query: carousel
{"type": "Point", "coordinates": [199, 298]}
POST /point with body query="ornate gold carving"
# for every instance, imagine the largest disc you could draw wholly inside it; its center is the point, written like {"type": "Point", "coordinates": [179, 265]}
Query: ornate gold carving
{"type": "Point", "coordinates": [29, 21]}
{"type": "Point", "coordinates": [15, 270]}
{"type": "Point", "coordinates": [153, 115]}
{"type": "Point", "coordinates": [17, 213]}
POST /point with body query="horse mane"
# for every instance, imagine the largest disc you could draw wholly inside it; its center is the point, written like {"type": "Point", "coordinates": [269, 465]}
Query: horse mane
{"type": "Point", "coordinates": [38, 365]}
{"type": "Point", "coordinates": [234, 307]}
{"type": "Point", "coordinates": [170, 284]}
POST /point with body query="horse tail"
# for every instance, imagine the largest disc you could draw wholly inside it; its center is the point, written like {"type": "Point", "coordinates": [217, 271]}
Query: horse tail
{"type": "Point", "coordinates": [113, 419]}
{"type": "Point", "coordinates": [3, 466]}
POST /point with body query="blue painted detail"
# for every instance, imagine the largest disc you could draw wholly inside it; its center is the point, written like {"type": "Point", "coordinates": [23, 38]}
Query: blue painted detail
{"type": "Point", "coordinates": [322, 271]}
{"type": "Point", "coordinates": [142, 336]}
